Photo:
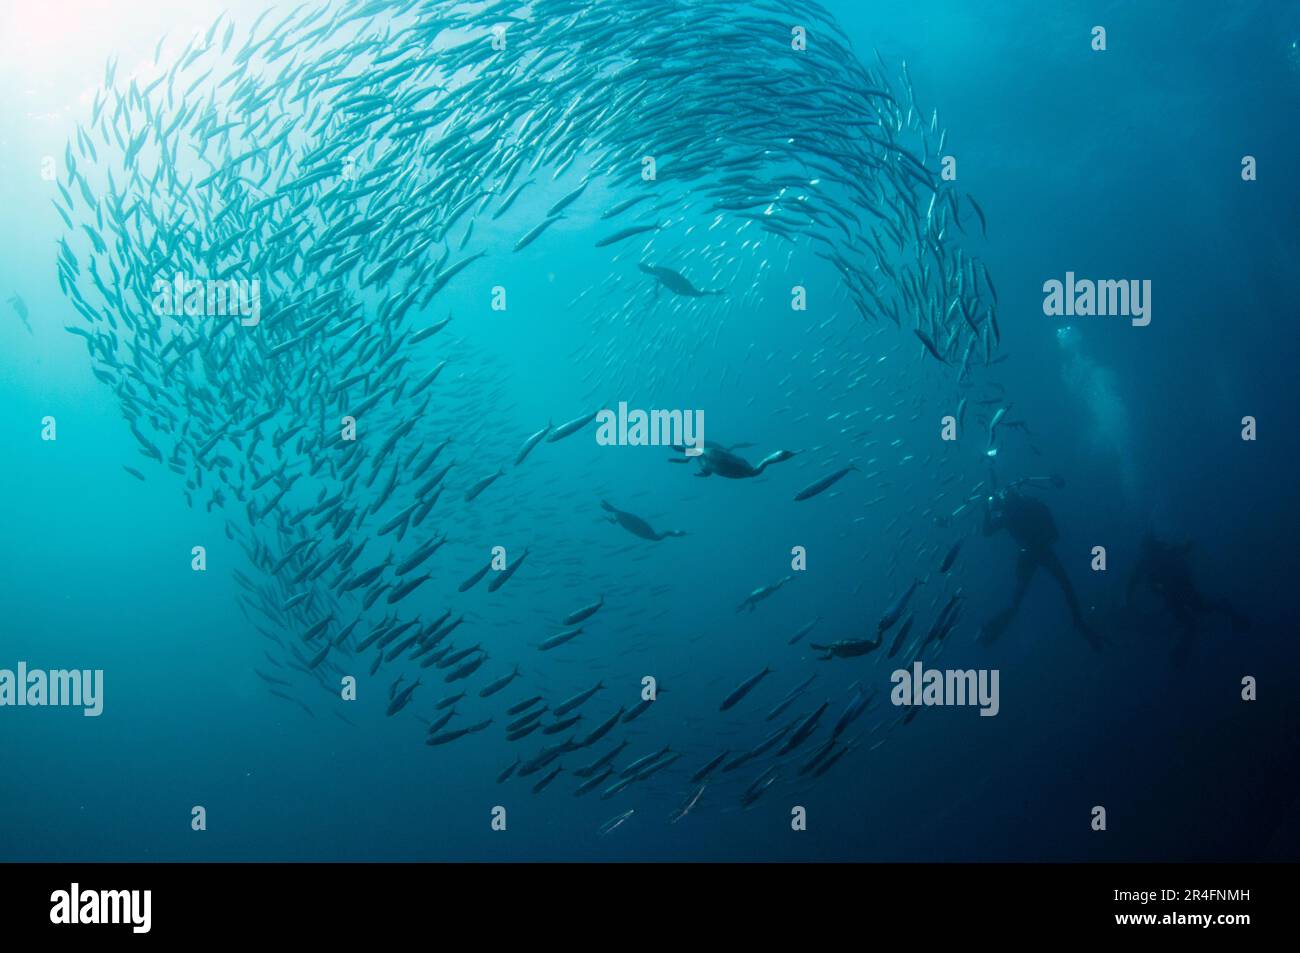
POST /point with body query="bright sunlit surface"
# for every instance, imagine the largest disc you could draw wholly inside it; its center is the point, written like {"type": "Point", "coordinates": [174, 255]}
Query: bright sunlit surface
{"type": "Point", "coordinates": [52, 52]}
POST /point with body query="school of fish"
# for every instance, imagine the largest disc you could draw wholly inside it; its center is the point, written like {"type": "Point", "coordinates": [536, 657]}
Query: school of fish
{"type": "Point", "coordinates": [342, 155]}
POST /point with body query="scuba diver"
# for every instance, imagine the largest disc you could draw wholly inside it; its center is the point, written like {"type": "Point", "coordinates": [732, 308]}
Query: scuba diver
{"type": "Point", "coordinates": [1164, 569]}
{"type": "Point", "coordinates": [1030, 524]}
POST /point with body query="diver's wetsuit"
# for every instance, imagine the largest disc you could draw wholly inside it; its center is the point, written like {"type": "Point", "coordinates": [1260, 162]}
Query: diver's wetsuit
{"type": "Point", "coordinates": [1164, 569]}
{"type": "Point", "coordinates": [1030, 524]}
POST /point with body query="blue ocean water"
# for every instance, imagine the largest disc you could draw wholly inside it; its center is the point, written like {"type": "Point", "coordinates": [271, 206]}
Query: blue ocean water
{"type": "Point", "coordinates": [1116, 164]}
